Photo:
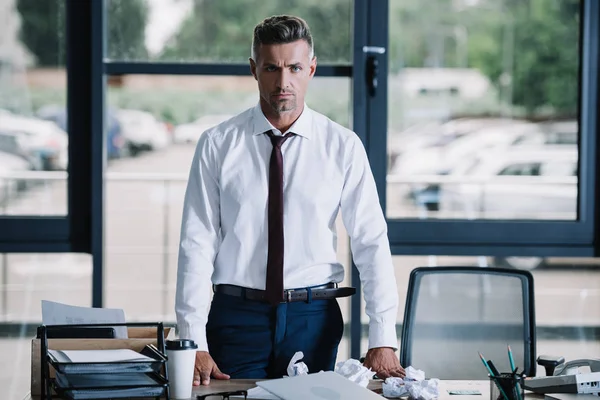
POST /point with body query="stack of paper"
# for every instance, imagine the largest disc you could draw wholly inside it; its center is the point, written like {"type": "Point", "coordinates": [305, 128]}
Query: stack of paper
{"type": "Point", "coordinates": [62, 314]}
{"type": "Point", "coordinates": [99, 356]}
{"type": "Point", "coordinates": [104, 380]}
{"type": "Point", "coordinates": [95, 361]}
{"type": "Point", "coordinates": [114, 394]}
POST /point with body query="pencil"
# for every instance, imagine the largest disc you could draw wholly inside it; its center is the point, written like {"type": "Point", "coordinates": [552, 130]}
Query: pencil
{"type": "Point", "coordinates": [486, 364]}
{"type": "Point", "coordinates": [483, 360]}
{"type": "Point", "coordinates": [510, 358]}
{"type": "Point", "coordinates": [512, 367]}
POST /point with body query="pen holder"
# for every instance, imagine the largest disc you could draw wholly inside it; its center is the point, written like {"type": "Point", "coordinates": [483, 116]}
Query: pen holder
{"type": "Point", "coordinates": [506, 386]}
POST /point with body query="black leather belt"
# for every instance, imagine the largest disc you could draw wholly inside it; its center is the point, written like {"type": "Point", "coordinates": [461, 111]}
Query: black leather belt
{"type": "Point", "coordinates": [329, 291]}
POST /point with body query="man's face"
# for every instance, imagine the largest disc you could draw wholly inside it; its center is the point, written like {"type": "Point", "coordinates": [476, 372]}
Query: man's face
{"type": "Point", "coordinates": [283, 72]}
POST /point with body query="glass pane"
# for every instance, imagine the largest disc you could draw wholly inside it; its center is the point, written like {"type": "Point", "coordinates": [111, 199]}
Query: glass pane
{"type": "Point", "coordinates": [33, 138]}
{"type": "Point", "coordinates": [218, 31]}
{"type": "Point", "coordinates": [567, 298]}
{"type": "Point", "coordinates": [26, 280]}
{"type": "Point", "coordinates": [483, 105]}
{"type": "Point", "coordinates": [147, 188]}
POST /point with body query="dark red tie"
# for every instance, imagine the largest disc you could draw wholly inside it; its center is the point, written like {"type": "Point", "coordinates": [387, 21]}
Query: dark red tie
{"type": "Point", "coordinates": [274, 284]}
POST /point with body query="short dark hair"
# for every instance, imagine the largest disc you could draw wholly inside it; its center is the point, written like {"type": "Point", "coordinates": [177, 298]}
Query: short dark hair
{"type": "Point", "coordinates": [281, 29]}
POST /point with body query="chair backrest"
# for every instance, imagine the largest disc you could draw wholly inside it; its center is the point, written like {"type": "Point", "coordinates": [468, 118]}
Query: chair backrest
{"type": "Point", "coordinates": [452, 313]}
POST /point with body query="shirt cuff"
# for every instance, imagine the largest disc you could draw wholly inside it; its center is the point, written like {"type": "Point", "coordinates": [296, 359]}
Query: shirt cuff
{"type": "Point", "coordinates": [383, 334]}
{"type": "Point", "coordinates": [197, 334]}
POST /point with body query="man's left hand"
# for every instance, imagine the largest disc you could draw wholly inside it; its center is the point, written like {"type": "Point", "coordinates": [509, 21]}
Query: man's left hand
{"type": "Point", "coordinates": [385, 362]}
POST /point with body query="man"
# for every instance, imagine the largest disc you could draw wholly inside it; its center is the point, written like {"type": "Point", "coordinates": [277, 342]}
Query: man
{"type": "Point", "coordinates": [263, 195]}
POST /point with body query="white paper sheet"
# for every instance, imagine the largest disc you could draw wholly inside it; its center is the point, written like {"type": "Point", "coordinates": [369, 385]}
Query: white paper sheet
{"type": "Point", "coordinates": [54, 313]}
{"type": "Point", "coordinates": [96, 356]}
{"type": "Point", "coordinates": [260, 393]}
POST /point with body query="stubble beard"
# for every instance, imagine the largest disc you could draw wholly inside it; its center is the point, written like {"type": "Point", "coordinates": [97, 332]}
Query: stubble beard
{"type": "Point", "coordinates": [284, 105]}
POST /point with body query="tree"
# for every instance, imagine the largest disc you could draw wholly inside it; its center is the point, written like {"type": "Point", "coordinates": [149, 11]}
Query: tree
{"type": "Point", "coordinates": [528, 48]}
{"type": "Point", "coordinates": [222, 30]}
{"type": "Point", "coordinates": [43, 29]}
{"type": "Point", "coordinates": [127, 21]}
{"type": "Point", "coordinates": [547, 56]}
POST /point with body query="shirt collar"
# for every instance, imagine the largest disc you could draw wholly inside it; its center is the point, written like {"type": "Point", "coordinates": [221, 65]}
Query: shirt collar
{"type": "Point", "coordinates": [302, 126]}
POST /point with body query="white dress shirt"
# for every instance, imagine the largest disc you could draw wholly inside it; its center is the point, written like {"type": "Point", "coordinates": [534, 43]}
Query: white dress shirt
{"type": "Point", "coordinates": [224, 227]}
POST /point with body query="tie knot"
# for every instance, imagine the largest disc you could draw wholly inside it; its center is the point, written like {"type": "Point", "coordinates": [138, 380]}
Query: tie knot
{"type": "Point", "coordinates": [276, 140]}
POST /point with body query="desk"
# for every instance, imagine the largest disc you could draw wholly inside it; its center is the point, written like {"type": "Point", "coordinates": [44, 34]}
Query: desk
{"type": "Point", "coordinates": [243, 384]}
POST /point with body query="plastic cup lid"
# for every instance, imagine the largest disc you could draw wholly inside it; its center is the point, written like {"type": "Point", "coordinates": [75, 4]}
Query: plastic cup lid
{"type": "Point", "coordinates": [181, 344]}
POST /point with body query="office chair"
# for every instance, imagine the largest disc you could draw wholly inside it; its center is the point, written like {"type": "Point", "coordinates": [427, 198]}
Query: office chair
{"type": "Point", "coordinates": [452, 313]}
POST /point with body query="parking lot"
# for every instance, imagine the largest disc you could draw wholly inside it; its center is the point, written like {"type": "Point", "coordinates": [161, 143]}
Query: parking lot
{"type": "Point", "coordinates": [142, 218]}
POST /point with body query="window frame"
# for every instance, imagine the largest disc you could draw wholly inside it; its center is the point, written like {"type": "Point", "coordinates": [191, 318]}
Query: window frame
{"type": "Point", "coordinates": [70, 232]}
{"type": "Point", "coordinates": [82, 229]}
{"type": "Point", "coordinates": [489, 237]}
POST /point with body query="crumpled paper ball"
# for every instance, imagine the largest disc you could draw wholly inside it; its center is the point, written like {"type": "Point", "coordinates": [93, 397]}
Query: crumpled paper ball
{"type": "Point", "coordinates": [414, 384]}
{"type": "Point", "coordinates": [394, 387]}
{"type": "Point", "coordinates": [296, 368]}
{"type": "Point", "coordinates": [424, 390]}
{"type": "Point", "coordinates": [413, 374]}
{"type": "Point", "coordinates": [354, 370]}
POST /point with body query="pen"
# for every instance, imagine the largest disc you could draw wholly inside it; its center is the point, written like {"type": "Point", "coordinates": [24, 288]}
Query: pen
{"type": "Point", "coordinates": [493, 368]}
{"type": "Point", "coordinates": [510, 358]}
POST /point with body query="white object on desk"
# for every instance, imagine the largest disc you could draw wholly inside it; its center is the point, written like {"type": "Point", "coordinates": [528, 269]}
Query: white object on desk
{"type": "Point", "coordinates": [54, 313]}
{"type": "Point", "coordinates": [181, 355]}
{"type": "Point", "coordinates": [570, 396]}
{"type": "Point", "coordinates": [260, 393]}
{"type": "Point", "coordinates": [322, 385]}
{"type": "Point", "coordinates": [98, 356]}
{"type": "Point", "coordinates": [580, 383]}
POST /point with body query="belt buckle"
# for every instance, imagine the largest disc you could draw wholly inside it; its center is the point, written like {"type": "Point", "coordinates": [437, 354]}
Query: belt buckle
{"type": "Point", "coordinates": [288, 295]}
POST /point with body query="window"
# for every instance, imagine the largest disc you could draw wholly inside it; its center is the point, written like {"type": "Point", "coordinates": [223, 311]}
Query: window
{"type": "Point", "coordinates": [217, 31]}
{"type": "Point", "coordinates": [476, 62]}
{"type": "Point", "coordinates": [161, 119]}
{"type": "Point", "coordinates": [162, 93]}
{"type": "Point", "coordinates": [489, 51]}
{"type": "Point", "coordinates": [456, 83]}
{"type": "Point", "coordinates": [25, 280]}
{"type": "Point", "coordinates": [33, 132]}
{"type": "Point", "coordinates": [521, 169]}
{"type": "Point", "coordinates": [44, 198]}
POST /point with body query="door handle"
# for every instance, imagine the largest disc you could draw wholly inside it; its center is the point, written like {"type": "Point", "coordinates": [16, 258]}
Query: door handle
{"type": "Point", "coordinates": [372, 67]}
{"type": "Point", "coordinates": [372, 75]}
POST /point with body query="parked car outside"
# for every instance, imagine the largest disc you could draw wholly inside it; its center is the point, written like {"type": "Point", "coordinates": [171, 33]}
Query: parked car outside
{"type": "Point", "coordinates": [44, 138]}
{"type": "Point", "coordinates": [15, 143]}
{"type": "Point", "coordinates": [9, 165]}
{"type": "Point", "coordinates": [440, 160]}
{"type": "Point", "coordinates": [115, 142]}
{"type": "Point", "coordinates": [142, 131]}
{"type": "Point", "coordinates": [553, 133]}
{"type": "Point", "coordinates": [190, 133]}
{"type": "Point", "coordinates": [520, 135]}
{"type": "Point", "coordinates": [487, 190]}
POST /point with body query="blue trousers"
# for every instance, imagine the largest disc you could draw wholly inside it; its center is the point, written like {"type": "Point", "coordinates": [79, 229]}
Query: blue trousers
{"type": "Point", "coordinates": [254, 340]}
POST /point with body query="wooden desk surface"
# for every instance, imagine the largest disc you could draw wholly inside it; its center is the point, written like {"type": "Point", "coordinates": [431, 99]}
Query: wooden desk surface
{"type": "Point", "coordinates": [243, 384]}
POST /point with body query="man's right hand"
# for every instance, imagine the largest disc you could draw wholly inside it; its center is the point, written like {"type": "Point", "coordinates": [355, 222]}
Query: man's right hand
{"type": "Point", "coordinates": [205, 368]}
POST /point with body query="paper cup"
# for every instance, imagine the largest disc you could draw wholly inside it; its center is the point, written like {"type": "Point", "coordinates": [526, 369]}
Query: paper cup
{"type": "Point", "coordinates": [181, 357]}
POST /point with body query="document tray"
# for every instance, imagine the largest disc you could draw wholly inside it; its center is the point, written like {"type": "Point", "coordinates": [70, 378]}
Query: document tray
{"type": "Point", "coordinates": [121, 393]}
{"type": "Point", "coordinates": [111, 367]}
{"type": "Point", "coordinates": [99, 386]}
{"type": "Point", "coordinates": [100, 373]}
